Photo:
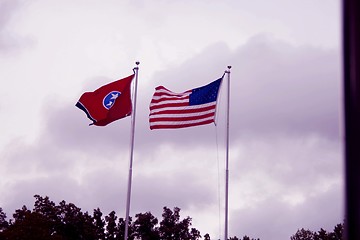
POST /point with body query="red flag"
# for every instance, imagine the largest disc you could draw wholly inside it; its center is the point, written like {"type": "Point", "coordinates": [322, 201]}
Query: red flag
{"type": "Point", "coordinates": [108, 103]}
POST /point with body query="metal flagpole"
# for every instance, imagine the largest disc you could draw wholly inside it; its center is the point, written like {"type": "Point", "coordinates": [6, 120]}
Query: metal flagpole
{"type": "Point", "coordinates": [136, 69]}
{"type": "Point", "coordinates": [227, 155]}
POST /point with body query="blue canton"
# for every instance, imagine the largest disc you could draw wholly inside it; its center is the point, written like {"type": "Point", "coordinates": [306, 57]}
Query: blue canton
{"type": "Point", "coordinates": [205, 94]}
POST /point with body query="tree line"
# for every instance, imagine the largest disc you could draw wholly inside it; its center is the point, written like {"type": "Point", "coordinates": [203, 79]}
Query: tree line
{"type": "Point", "coordinates": [65, 221]}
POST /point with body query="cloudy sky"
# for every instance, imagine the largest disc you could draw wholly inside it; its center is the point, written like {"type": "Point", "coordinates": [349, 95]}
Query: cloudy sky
{"type": "Point", "coordinates": [286, 149]}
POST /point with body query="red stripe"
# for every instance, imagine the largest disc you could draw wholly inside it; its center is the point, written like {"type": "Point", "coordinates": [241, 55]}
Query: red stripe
{"type": "Point", "coordinates": [172, 98]}
{"type": "Point", "coordinates": [157, 121]}
{"type": "Point", "coordinates": [180, 125]}
{"type": "Point", "coordinates": [186, 104]}
{"type": "Point", "coordinates": [178, 119]}
{"type": "Point", "coordinates": [185, 110]}
{"type": "Point", "coordinates": [164, 88]}
{"type": "Point", "coordinates": [161, 88]}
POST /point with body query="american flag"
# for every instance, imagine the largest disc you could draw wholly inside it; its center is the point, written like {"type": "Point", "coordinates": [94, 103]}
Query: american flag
{"type": "Point", "coordinates": [179, 110]}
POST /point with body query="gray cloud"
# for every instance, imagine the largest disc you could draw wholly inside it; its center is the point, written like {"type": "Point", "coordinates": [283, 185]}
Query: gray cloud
{"type": "Point", "coordinates": [299, 162]}
{"type": "Point", "coordinates": [21, 192]}
{"type": "Point", "coordinates": [272, 217]}
{"type": "Point", "coordinates": [9, 40]}
{"type": "Point", "coordinates": [267, 97]}
{"type": "Point", "coordinates": [285, 108]}
{"type": "Point", "coordinates": [293, 89]}
{"type": "Point", "coordinates": [276, 88]}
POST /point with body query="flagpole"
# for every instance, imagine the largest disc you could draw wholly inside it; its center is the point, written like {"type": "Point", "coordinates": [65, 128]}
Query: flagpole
{"type": "Point", "coordinates": [227, 155]}
{"type": "Point", "coordinates": [136, 69]}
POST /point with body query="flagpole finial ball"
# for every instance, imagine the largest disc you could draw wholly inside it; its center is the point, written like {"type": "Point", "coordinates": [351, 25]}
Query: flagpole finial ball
{"type": "Point", "coordinates": [229, 67]}
{"type": "Point", "coordinates": [137, 63]}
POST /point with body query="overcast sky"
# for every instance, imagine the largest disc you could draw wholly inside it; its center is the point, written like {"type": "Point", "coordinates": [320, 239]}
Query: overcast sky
{"type": "Point", "coordinates": [286, 148]}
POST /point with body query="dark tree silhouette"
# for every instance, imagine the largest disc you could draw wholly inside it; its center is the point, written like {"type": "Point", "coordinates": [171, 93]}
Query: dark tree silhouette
{"type": "Point", "coordinates": [303, 234]}
{"type": "Point", "coordinates": [338, 232]}
{"type": "Point", "coordinates": [207, 237]}
{"type": "Point", "coordinates": [145, 227]}
{"type": "Point", "coordinates": [111, 226]}
{"type": "Point", "coordinates": [171, 228]}
{"type": "Point", "coordinates": [99, 223]}
{"type": "Point", "coordinates": [74, 223]}
{"type": "Point", "coordinates": [65, 221]}
{"type": "Point", "coordinates": [28, 225]}
{"type": "Point", "coordinates": [3, 223]}
{"type": "Point", "coordinates": [322, 234]}
{"type": "Point", "coordinates": [121, 228]}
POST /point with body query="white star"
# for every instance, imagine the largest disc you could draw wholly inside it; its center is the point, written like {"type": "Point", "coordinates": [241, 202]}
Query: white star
{"type": "Point", "coordinates": [114, 96]}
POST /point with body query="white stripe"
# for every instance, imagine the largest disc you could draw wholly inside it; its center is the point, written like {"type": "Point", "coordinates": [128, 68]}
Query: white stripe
{"type": "Point", "coordinates": [169, 101]}
{"type": "Point", "coordinates": [172, 93]}
{"type": "Point", "coordinates": [173, 96]}
{"type": "Point", "coordinates": [181, 114]}
{"type": "Point", "coordinates": [194, 107]}
{"type": "Point", "coordinates": [172, 123]}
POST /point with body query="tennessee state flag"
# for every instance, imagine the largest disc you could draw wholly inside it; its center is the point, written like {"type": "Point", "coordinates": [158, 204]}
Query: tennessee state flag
{"type": "Point", "coordinates": [108, 103]}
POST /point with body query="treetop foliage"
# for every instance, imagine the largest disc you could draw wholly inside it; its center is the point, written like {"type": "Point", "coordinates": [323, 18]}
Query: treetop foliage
{"type": "Point", "coordinates": [65, 221]}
